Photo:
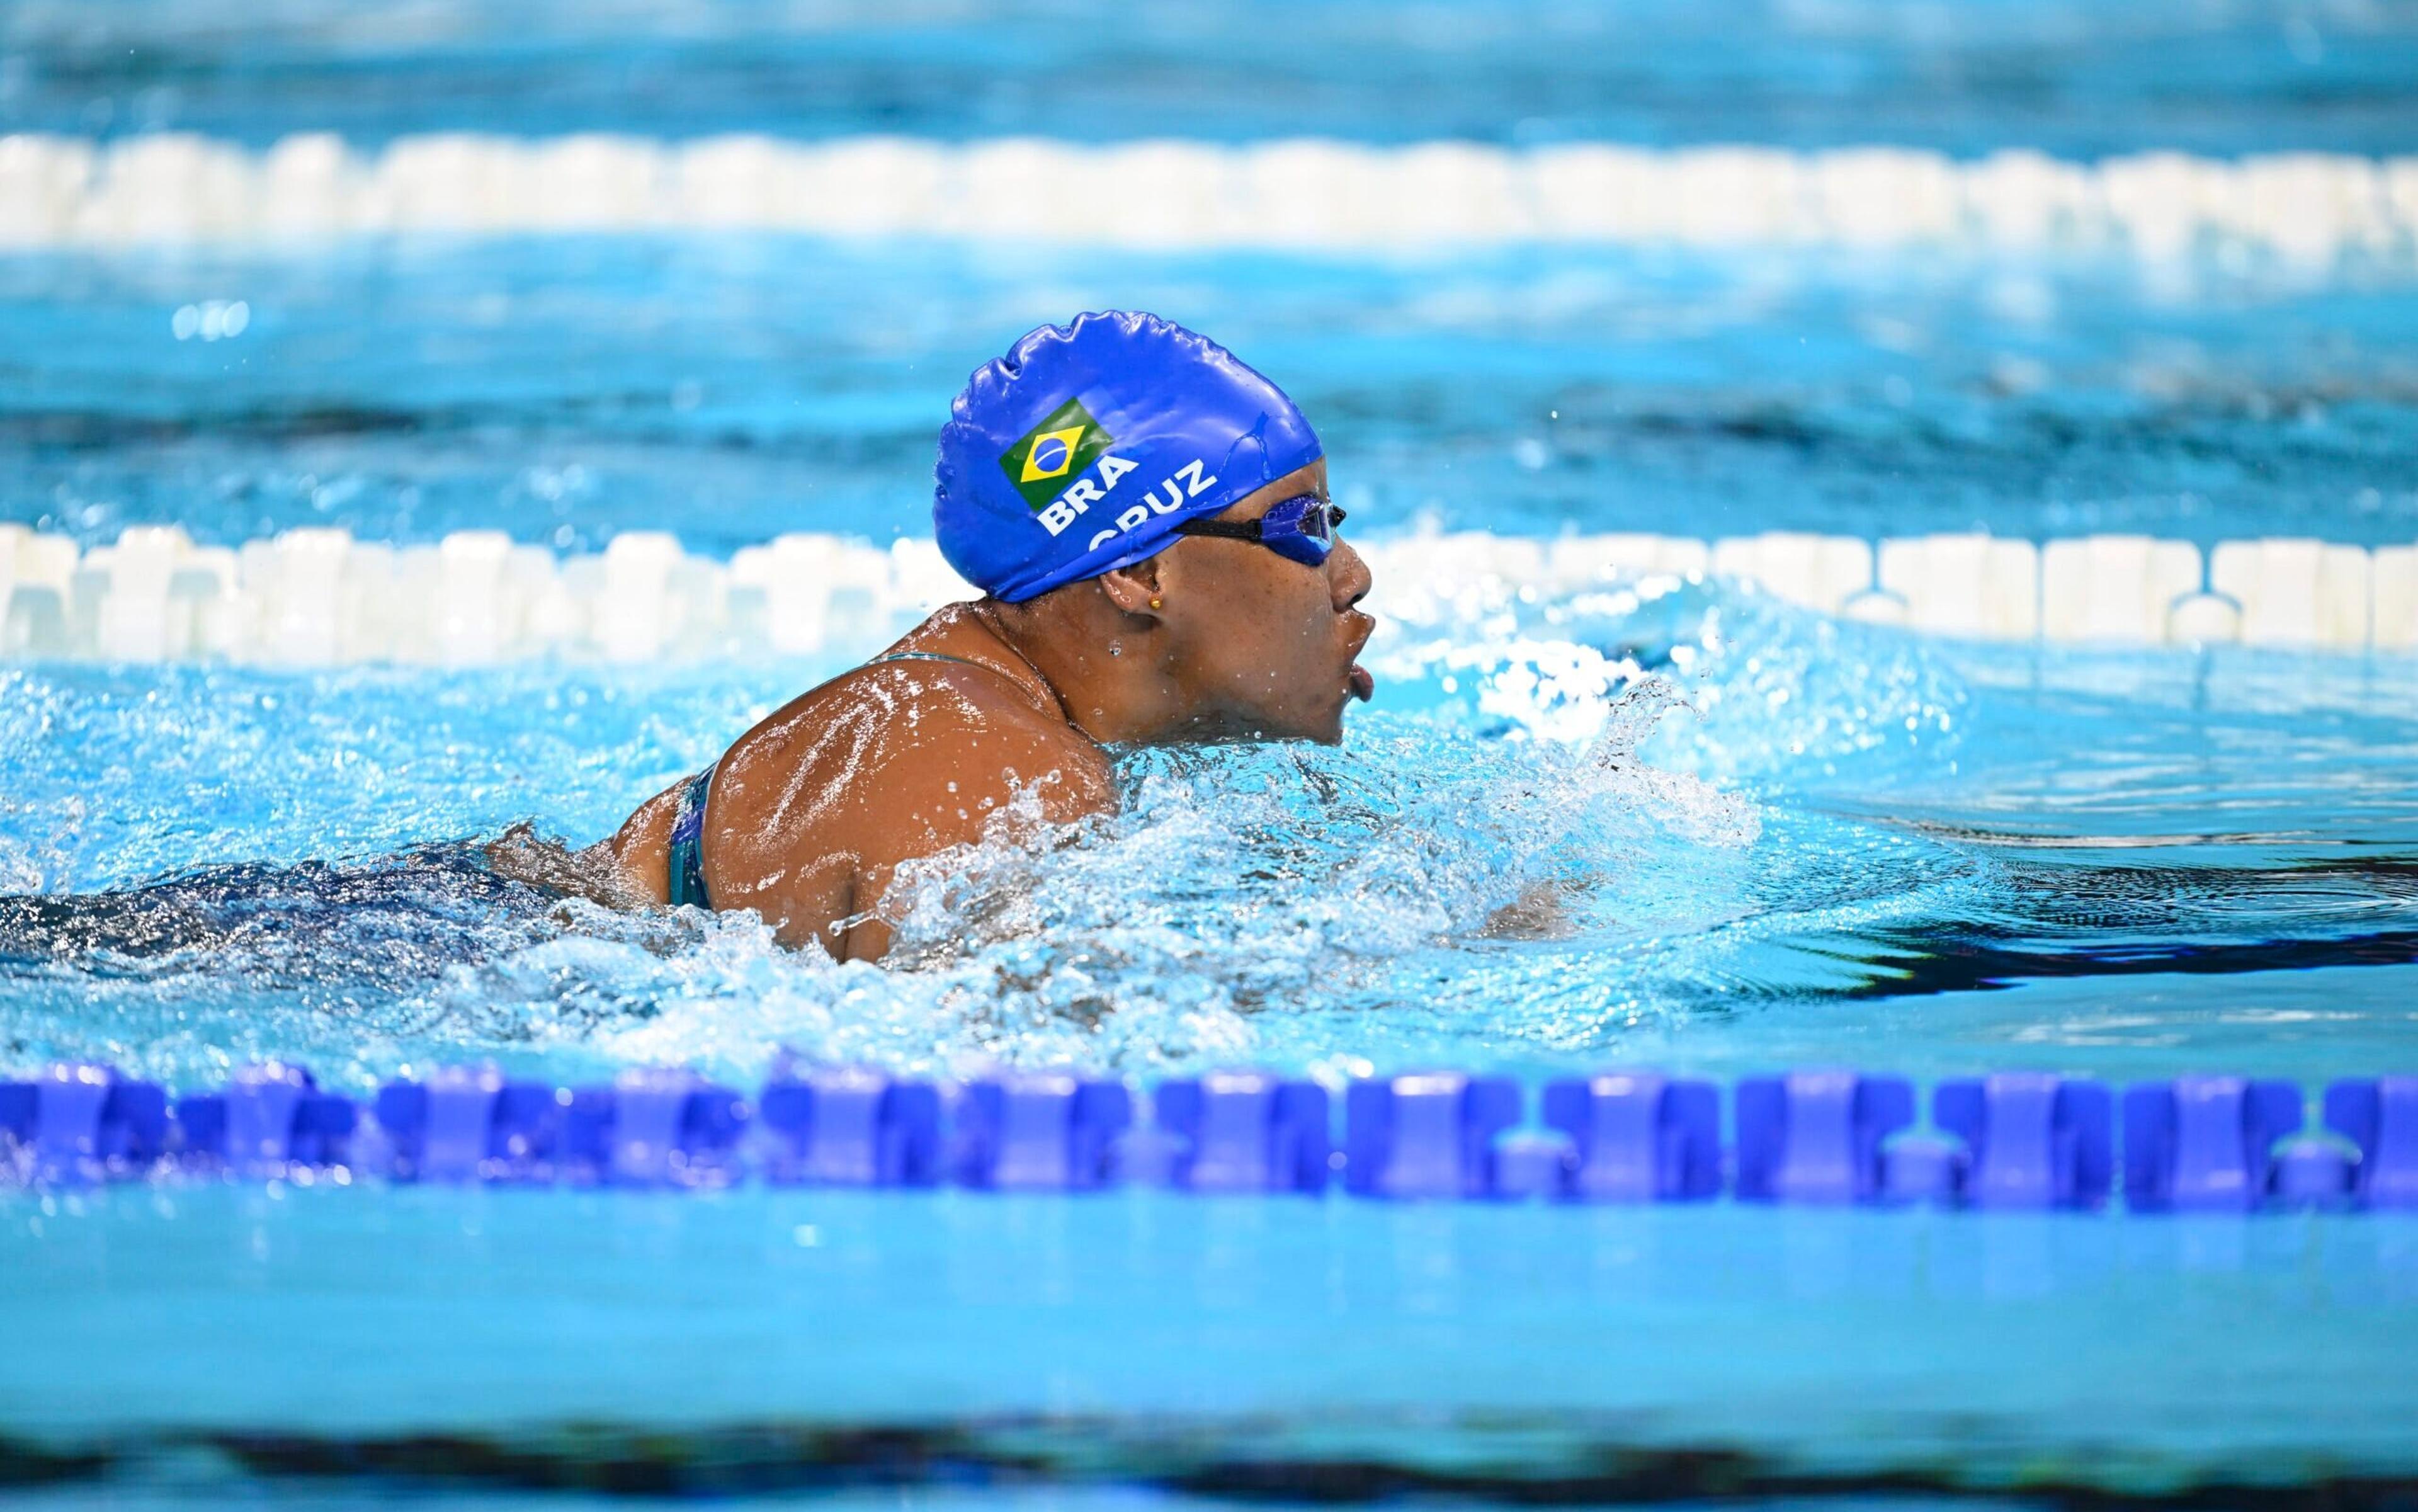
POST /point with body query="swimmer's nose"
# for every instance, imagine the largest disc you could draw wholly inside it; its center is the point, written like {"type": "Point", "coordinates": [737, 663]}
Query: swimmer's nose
{"type": "Point", "coordinates": [1347, 576]}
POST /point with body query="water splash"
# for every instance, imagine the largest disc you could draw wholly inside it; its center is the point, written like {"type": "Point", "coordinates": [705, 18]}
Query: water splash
{"type": "Point", "coordinates": [1650, 820]}
{"type": "Point", "coordinates": [1239, 889]}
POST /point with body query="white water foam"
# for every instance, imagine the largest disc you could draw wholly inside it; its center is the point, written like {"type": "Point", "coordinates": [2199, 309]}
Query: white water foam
{"type": "Point", "coordinates": [2307, 210]}
{"type": "Point", "coordinates": [1335, 872]}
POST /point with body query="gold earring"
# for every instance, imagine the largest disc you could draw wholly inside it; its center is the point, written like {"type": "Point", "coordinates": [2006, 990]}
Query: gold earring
{"type": "Point", "coordinates": [1158, 603]}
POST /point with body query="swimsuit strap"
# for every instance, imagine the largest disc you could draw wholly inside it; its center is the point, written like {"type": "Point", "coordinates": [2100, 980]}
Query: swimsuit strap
{"type": "Point", "coordinates": [930, 656]}
{"type": "Point", "coordinates": [992, 668]}
{"type": "Point", "coordinates": [685, 861]}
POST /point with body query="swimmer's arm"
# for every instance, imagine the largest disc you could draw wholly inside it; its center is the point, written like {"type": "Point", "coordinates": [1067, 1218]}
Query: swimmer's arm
{"type": "Point", "coordinates": [523, 855]}
{"type": "Point", "coordinates": [1537, 913]}
{"type": "Point", "coordinates": [951, 786]}
{"type": "Point", "coordinates": [637, 857]}
{"type": "Point", "coordinates": [1064, 793]}
{"type": "Point", "coordinates": [946, 795]}
{"type": "Point", "coordinates": [625, 870]}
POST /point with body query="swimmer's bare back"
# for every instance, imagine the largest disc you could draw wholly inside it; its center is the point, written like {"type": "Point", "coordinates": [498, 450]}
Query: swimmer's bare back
{"type": "Point", "coordinates": [811, 811]}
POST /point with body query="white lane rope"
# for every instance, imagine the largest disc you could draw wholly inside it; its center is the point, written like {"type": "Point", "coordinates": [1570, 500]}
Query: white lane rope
{"type": "Point", "coordinates": [2308, 210]}
{"type": "Point", "coordinates": [315, 596]}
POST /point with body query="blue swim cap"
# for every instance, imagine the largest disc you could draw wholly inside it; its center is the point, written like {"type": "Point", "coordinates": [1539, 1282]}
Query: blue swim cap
{"type": "Point", "coordinates": [1080, 450]}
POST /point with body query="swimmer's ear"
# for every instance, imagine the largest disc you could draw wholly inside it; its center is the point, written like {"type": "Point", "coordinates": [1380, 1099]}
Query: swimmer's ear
{"type": "Point", "coordinates": [1134, 587]}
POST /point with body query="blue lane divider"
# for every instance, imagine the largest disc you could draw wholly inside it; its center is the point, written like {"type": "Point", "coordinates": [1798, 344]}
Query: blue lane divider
{"type": "Point", "coordinates": [470, 1123]}
{"type": "Point", "coordinates": [654, 1127]}
{"type": "Point", "coordinates": [268, 1120]}
{"type": "Point", "coordinates": [82, 1123]}
{"type": "Point", "coordinates": [1049, 1132]}
{"type": "Point", "coordinates": [2012, 1141]}
{"type": "Point", "coordinates": [1637, 1137]}
{"type": "Point", "coordinates": [848, 1126]}
{"type": "Point", "coordinates": [2031, 1140]}
{"type": "Point", "coordinates": [1242, 1131]}
{"type": "Point", "coordinates": [1816, 1135]}
{"type": "Point", "coordinates": [2379, 1117]}
{"type": "Point", "coordinates": [1431, 1133]}
{"type": "Point", "coordinates": [2204, 1143]}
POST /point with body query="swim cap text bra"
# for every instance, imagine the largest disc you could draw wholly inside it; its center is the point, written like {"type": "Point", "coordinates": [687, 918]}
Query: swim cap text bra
{"type": "Point", "coordinates": [1080, 450]}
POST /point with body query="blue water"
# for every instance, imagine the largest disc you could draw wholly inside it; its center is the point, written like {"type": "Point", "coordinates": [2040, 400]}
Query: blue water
{"type": "Point", "coordinates": [2063, 76]}
{"type": "Point", "coordinates": [1832, 844]}
{"type": "Point", "coordinates": [1182, 1343]}
{"type": "Point", "coordinates": [733, 387]}
{"type": "Point", "coordinates": [1920, 858]}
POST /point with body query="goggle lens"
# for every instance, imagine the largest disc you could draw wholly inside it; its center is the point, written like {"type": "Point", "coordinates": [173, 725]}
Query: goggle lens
{"type": "Point", "coordinates": [1301, 529]}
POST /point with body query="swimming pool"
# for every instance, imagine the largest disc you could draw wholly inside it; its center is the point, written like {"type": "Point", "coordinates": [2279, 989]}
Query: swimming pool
{"type": "Point", "coordinates": [1852, 842]}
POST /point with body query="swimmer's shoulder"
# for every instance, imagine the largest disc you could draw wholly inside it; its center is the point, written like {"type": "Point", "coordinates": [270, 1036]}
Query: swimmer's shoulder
{"type": "Point", "coordinates": [909, 726]}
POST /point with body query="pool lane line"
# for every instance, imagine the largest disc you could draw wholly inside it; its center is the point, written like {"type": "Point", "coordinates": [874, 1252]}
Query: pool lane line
{"type": "Point", "coordinates": [315, 596]}
{"type": "Point", "coordinates": [2016, 1141]}
{"type": "Point", "coordinates": [2307, 212]}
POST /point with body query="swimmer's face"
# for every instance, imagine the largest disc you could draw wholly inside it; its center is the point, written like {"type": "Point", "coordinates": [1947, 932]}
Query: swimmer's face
{"type": "Point", "coordinates": [1261, 647]}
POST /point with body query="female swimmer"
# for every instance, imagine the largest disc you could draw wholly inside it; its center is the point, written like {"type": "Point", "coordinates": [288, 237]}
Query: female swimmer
{"type": "Point", "coordinates": [1148, 520]}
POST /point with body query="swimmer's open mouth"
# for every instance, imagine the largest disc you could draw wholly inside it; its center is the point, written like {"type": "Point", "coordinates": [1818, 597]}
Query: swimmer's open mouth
{"type": "Point", "coordinates": [1358, 682]}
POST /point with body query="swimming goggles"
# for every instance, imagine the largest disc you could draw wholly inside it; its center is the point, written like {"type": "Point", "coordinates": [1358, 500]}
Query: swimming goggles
{"type": "Point", "coordinates": [1299, 529]}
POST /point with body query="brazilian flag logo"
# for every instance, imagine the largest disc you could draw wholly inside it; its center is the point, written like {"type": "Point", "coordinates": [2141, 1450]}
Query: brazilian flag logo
{"type": "Point", "coordinates": [1065, 442]}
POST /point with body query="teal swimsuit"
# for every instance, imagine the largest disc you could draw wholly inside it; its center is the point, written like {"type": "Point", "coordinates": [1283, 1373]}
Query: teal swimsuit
{"type": "Point", "coordinates": [685, 864]}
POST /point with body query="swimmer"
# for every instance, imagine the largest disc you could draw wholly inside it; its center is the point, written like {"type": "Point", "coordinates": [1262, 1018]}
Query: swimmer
{"type": "Point", "coordinates": [1149, 522]}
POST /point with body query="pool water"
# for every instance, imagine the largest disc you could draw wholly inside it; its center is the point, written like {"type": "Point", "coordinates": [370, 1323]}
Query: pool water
{"type": "Point", "coordinates": [1655, 822]}
{"type": "Point", "coordinates": [730, 388]}
{"type": "Point", "coordinates": [1834, 843]}
{"type": "Point", "coordinates": [2061, 76]}
{"type": "Point", "coordinates": [1855, 846]}
{"type": "Point", "coordinates": [1844, 842]}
